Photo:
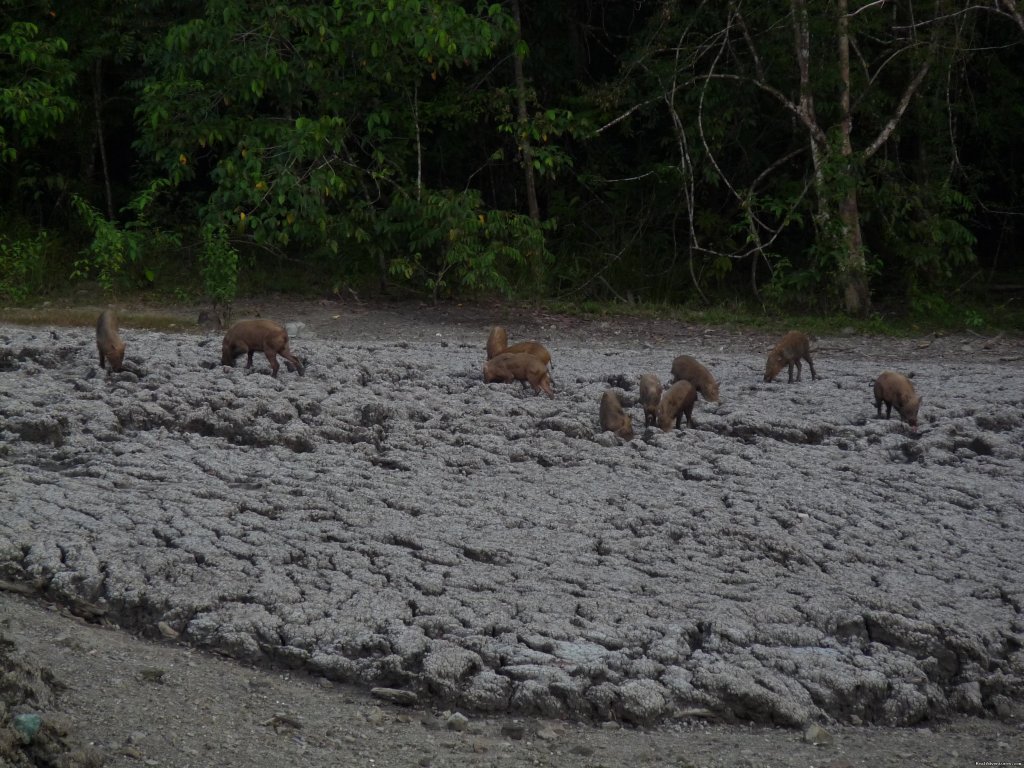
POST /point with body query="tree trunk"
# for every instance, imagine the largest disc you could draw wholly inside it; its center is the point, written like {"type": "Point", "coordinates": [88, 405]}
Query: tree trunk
{"type": "Point", "coordinates": [853, 275]}
{"type": "Point", "coordinates": [97, 99]}
{"type": "Point", "coordinates": [523, 117]}
{"type": "Point", "coordinates": [524, 143]}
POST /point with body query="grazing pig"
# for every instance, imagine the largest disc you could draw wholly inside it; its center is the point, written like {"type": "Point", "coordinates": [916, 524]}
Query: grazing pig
{"type": "Point", "coordinates": [250, 336]}
{"type": "Point", "coordinates": [675, 403]}
{"type": "Point", "coordinates": [108, 341]}
{"type": "Point", "coordinates": [497, 340]}
{"type": "Point", "coordinates": [650, 396]}
{"type": "Point", "coordinates": [895, 389]}
{"type": "Point", "coordinates": [794, 345]}
{"type": "Point", "coordinates": [519, 367]}
{"type": "Point", "coordinates": [686, 368]}
{"type": "Point", "coordinates": [614, 418]}
{"type": "Point", "coordinates": [534, 348]}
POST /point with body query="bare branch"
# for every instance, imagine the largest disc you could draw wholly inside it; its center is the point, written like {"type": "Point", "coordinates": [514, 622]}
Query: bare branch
{"type": "Point", "coordinates": [889, 127]}
{"type": "Point", "coordinates": [624, 115]}
{"type": "Point", "coordinates": [851, 14]}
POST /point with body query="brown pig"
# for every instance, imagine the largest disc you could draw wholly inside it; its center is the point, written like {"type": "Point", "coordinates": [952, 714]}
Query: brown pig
{"type": "Point", "coordinates": [519, 367]}
{"type": "Point", "coordinates": [250, 336]}
{"type": "Point", "coordinates": [614, 418]}
{"type": "Point", "coordinates": [686, 368]}
{"type": "Point", "coordinates": [534, 348]}
{"type": "Point", "coordinates": [497, 340]}
{"type": "Point", "coordinates": [895, 389]}
{"type": "Point", "coordinates": [650, 395]}
{"type": "Point", "coordinates": [108, 341]}
{"type": "Point", "coordinates": [793, 346]}
{"type": "Point", "coordinates": [675, 403]}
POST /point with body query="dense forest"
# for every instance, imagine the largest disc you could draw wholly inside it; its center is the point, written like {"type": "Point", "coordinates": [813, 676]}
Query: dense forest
{"type": "Point", "coordinates": [826, 156]}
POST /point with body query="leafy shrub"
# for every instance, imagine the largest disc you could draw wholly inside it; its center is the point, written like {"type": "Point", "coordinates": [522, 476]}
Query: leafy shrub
{"type": "Point", "coordinates": [451, 244]}
{"type": "Point", "coordinates": [114, 247]}
{"type": "Point", "coordinates": [218, 265]}
{"type": "Point", "coordinates": [21, 266]}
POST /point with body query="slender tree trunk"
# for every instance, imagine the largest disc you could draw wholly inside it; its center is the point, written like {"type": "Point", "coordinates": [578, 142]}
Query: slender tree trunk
{"type": "Point", "coordinates": [1011, 8]}
{"type": "Point", "coordinates": [97, 98]}
{"type": "Point", "coordinates": [523, 117]}
{"type": "Point", "coordinates": [524, 143]}
{"type": "Point", "coordinates": [854, 274]}
{"type": "Point", "coordinates": [419, 142]}
{"type": "Point", "coordinates": [845, 208]}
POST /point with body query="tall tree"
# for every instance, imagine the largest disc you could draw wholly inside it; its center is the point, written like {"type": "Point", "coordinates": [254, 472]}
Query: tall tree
{"type": "Point", "coordinates": [709, 64]}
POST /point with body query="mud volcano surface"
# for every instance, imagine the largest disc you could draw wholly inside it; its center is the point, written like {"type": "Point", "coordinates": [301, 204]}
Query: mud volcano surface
{"type": "Point", "coordinates": [389, 519]}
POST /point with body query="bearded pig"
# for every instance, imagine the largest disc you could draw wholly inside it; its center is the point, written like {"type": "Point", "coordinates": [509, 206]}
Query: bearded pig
{"type": "Point", "coordinates": [793, 346]}
{"type": "Point", "coordinates": [519, 367]}
{"type": "Point", "coordinates": [614, 418]}
{"type": "Point", "coordinates": [675, 403]}
{"type": "Point", "coordinates": [250, 336]}
{"type": "Point", "coordinates": [650, 396]}
{"type": "Point", "coordinates": [108, 341]}
{"type": "Point", "coordinates": [895, 389]}
{"type": "Point", "coordinates": [686, 368]}
{"type": "Point", "coordinates": [534, 348]}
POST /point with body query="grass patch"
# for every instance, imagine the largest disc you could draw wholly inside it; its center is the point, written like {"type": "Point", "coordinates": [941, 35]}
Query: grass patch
{"type": "Point", "coordinates": [884, 321]}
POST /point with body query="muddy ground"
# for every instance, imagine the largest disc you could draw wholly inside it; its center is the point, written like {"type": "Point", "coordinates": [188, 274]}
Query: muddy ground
{"type": "Point", "coordinates": [389, 520]}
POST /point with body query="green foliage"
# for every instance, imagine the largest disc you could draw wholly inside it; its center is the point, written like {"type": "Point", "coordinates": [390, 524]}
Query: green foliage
{"type": "Point", "coordinates": [21, 266]}
{"type": "Point", "coordinates": [114, 248]}
{"type": "Point", "coordinates": [303, 138]}
{"type": "Point", "coordinates": [111, 249]}
{"type": "Point", "coordinates": [218, 265]}
{"type": "Point", "coordinates": [450, 244]}
{"type": "Point", "coordinates": [548, 159]}
{"type": "Point", "coordinates": [925, 224]}
{"type": "Point", "coordinates": [34, 79]}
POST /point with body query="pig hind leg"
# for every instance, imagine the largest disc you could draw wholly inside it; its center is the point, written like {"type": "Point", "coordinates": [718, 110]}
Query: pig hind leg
{"type": "Point", "coordinates": [811, 364]}
{"type": "Point", "coordinates": [272, 357]}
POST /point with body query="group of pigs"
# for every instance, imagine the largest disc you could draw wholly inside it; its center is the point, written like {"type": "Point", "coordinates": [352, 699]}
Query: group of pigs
{"type": "Point", "coordinates": [528, 362]}
{"type": "Point", "coordinates": [246, 337]}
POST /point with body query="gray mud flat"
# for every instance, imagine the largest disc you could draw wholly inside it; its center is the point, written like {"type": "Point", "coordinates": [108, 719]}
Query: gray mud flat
{"type": "Point", "coordinates": [389, 519]}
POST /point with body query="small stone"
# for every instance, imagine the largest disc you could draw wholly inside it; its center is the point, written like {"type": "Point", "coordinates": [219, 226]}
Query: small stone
{"type": "Point", "coordinates": [818, 736]}
{"type": "Point", "coordinates": [583, 749]}
{"type": "Point", "coordinates": [27, 726]}
{"type": "Point", "coordinates": [432, 723]}
{"type": "Point", "coordinates": [375, 716]}
{"type": "Point", "coordinates": [283, 721]}
{"type": "Point", "coordinates": [457, 722]}
{"type": "Point", "coordinates": [395, 695]}
{"type": "Point", "coordinates": [514, 731]}
{"type": "Point", "coordinates": [547, 734]}
{"type": "Point", "coordinates": [153, 675]}
{"type": "Point", "coordinates": [1003, 707]}
{"type": "Point", "coordinates": [610, 725]}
